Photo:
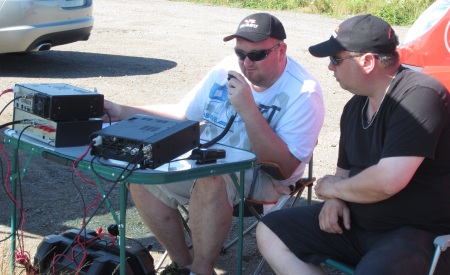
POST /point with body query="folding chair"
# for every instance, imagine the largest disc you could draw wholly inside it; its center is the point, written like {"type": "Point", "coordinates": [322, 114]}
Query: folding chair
{"type": "Point", "coordinates": [255, 208]}
{"type": "Point", "coordinates": [441, 243]}
{"type": "Point", "coordinates": [344, 268]}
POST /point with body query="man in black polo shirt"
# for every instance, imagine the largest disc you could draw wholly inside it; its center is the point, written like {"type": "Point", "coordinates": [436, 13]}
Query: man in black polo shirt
{"type": "Point", "coordinates": [390, 196]}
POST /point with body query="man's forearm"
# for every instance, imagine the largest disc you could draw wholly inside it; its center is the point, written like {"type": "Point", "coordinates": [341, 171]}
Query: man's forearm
{"type": "Point", "coordinates": [269, 146]}
{"type": "Point", "coordinates": [378, 182]}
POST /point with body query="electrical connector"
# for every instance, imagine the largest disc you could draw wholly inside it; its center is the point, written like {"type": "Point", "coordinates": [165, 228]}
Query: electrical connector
{"type": "Point", "coordinates": [98, 140]}
{"type": "Point", "coordinates": [113, 229]}
{"type": "Point", "coordinates": [33, 122]}
{"type": "Point", "coordinates": [26, 121]}
{"type": "Point", "coordinates": [16, 89]}
{"type": "Point", "coordinates": [29, 96]}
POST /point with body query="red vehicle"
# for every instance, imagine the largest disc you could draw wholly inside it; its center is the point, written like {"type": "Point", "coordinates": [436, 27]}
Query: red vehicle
{"type": "Point", "coordinates": [426, 46]}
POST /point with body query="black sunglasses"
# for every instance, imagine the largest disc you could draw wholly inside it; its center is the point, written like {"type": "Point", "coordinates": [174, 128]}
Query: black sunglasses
{"type": "Point", "coordinates": [335, 61]}
{"type": "Point", "coordinates": [255, 55]}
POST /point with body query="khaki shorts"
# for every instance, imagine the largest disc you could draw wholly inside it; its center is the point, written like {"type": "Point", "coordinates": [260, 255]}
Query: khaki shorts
{"type": "Point", "coordinates": [266, 189]}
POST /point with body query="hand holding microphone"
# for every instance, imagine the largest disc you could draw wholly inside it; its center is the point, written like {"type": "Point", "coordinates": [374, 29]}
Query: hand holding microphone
{"type": "Point", "coordinates": [239, 92]}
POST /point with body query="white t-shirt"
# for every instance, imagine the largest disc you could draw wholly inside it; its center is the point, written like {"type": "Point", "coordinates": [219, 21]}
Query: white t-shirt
{"type": "Point", "coordinates": [293, 106]}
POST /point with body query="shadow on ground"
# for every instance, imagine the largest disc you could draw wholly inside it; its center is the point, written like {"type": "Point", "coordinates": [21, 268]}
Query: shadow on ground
{"type": "Point", "coordinates": [68, 64]}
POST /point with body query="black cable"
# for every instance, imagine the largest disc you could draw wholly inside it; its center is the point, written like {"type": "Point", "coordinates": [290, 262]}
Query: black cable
{"type": "Point", "coordinates": [19, 241]}
{"type": "Point", "coordinates": [219, 137]}
{"type": "Point", "coordinates": [15, 122]}
{"type": "Point", "coordinates": [16, 201]}
{"type": "Point", "coordinates": [4, 188]}
{"type": "Point", "coordinates": [109, 118]}
{"type": "Point", "coordinates": [124, 169]}
{"type": "Point", "coordinates": [6, 238]}
{"type": "Point", "coordinates": [79, 191]}
{"type": "Point", "coordinates": [63, 253]}
{"type": "Point", "coordinates": [100, 160]}
{"type": "Point", "coordinates": [7, 104]}
{"type": "Point", "coordinates": [100, 155]}
{"type": "Point", "coordinates": [6, 191]}
{"type": "Point", "coordinates": [119, 178]}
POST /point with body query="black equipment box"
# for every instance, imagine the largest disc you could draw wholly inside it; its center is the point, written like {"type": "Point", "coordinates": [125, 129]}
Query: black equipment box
{"type": "Point", "coordinates": [57, 133]}
{"type": "Point", "coordinates": [149, 141]}
{"type": "Point", "coordinates": [58, 101]}
{"type": "Point", "coordinates": [100, 258]}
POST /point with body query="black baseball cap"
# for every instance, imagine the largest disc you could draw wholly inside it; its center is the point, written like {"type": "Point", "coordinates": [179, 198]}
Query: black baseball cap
{"type": "Point", "coordinates": [258, 27]}
{"type": "Point", "coordinates": [363, 33]}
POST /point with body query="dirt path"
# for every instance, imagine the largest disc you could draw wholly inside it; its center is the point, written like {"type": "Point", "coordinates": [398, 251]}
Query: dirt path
{"type": "Point", "coordinates": [144, 51]}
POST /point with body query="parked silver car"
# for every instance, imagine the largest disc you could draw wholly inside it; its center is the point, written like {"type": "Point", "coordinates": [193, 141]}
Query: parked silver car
{"type": "Point", "coordinates": [38, 25]}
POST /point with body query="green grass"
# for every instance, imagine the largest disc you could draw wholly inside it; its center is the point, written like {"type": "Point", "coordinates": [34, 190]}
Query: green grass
{"type": "Point", "coordinates": [396, 12]}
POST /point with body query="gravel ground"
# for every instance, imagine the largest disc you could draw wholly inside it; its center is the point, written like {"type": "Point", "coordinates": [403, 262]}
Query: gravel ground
{"type": "Point", "coordinates": [150, 51]}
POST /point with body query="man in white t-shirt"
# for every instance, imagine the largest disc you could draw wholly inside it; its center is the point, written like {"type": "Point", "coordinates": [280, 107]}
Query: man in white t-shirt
{"type": "Point", "coordinates": [279, 112]}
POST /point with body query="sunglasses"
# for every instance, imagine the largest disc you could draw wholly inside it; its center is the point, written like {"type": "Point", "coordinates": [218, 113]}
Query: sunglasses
{"type": "Point", "coordinates": [336, 61]}
{"type": "Point", "coordinates": [255, 55]}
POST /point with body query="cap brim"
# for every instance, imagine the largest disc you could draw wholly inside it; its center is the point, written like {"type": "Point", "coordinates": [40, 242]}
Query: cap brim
{"type": "Point", "coordinates": [252, 37]}
{"type": "Point", "coordinates": [327, 48]}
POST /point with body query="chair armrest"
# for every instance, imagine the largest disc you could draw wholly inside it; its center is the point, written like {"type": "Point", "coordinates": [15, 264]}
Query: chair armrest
{"type": "Point", "coordinates": [442, 241]}
{"type": "Point", "coordinates": [272, 169]}
{"type": "Point", "coordinates": [345, 268]}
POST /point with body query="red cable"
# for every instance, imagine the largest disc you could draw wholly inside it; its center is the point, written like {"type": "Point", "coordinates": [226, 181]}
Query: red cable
{"type": "Point", "coordinates": [22, 256]}
{"type": "Point", "coordinates": [74, 166]}
{"type": "Point", "coordinates": [5, 183]}
{"type": "Point", "coordinates": [7, 91]}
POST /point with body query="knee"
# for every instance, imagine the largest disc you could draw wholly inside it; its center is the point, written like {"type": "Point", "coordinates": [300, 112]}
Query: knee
{"type": "Point", "coordinates": [214, 190]}
{"type": "Point", "coordinates": [136, 190]}
{"type": "Point", "coordinates": [211, 186]}
{"type": "Point", "coordinates": [139, 193]}
{"type": "Point", "coordinates": [408, 253]}
{"type": "Point", "coordinates": [263, 233]}
{"type": "Point", "coordinates": [260, 231]}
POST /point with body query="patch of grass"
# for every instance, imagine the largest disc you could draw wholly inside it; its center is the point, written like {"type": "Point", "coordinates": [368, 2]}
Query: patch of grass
{"type": "Point", "coordinates": [396, 12]}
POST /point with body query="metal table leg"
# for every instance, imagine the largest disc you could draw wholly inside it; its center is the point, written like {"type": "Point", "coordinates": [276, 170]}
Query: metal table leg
{"type": "Point", "coordinates": [241, 223]}
{"type": "Point", "coordinates": [123, 209]}
{"type": "Point", "coordinates": [13, 210]}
